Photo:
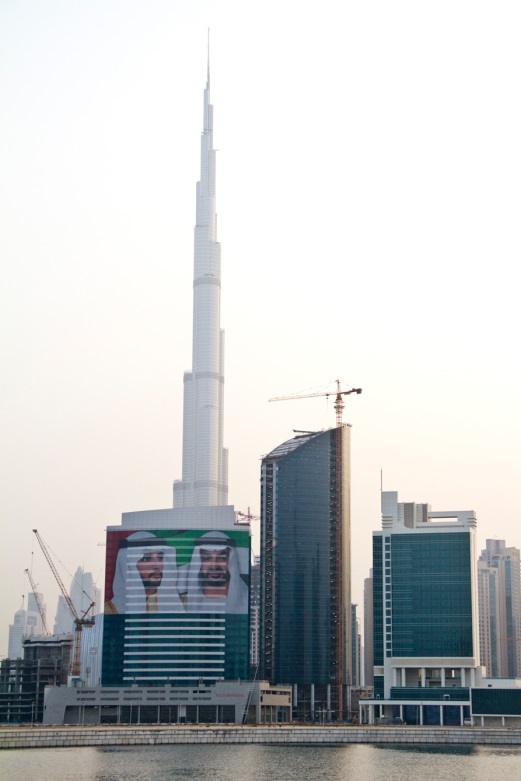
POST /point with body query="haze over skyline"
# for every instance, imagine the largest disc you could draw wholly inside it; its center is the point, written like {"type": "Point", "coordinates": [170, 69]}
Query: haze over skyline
{"type": "Point", "coordinates": [368, 206]}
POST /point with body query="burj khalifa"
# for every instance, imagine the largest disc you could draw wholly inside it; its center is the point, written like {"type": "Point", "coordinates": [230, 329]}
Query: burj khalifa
{"type": "Point", "coordinates": [204, 480]}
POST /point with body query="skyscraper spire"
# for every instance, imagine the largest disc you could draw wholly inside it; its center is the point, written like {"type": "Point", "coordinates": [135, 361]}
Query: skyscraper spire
{"type": "Point", "coordinates": [208, 62]}
{"type": "Point", "coordinates": [205, 462]}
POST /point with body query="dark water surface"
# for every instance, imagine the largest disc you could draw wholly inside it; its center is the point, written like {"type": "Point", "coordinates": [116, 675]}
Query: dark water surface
{"type": "Point", "coordinates": [263, 763]}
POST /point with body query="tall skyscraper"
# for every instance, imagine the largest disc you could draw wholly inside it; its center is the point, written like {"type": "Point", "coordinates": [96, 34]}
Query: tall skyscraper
{"type": "Point", "coordinates": [176, 580]}
{"type": "Point", "coordinates": [205, 461]}
{"type": "Point", "coordinates": [82, 592]}
{"type": "Point", "coordinates": [356, 648]}
{"type": "Point", "coordinates": [426, 654]}
{"type": "Point", "coordinates": [491, 646]}
{"type": "Point", "coordinates": [499, 588]}
{"type": "Point", "coordinates": [305, 631]}
{"type": "Point", "coordinates": [368, 631]}
{"type": "Point", "coordinates": [255, 615]}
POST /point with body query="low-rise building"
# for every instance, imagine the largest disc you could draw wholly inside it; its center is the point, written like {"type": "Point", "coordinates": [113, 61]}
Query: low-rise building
{"type": "Point", "coordinates": [225, 702]}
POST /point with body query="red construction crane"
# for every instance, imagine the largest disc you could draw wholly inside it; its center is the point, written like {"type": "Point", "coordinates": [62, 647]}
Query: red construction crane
{"type": "Point", "coordinates": [338, 393]}
{"type": "Point", "coordinates": [38, 602]}
{"type": "Point", "coordinates": [79, 621]}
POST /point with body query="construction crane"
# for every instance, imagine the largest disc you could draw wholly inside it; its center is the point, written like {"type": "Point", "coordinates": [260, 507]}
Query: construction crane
{"type": "Point", "coordinates": [246, 517]}
{"type": "Point", "coordinates": [338, 393]}
{"type": "Point", "coordinates": [38, 602]}
{"type": "Point", "coordinates": [79, 621]}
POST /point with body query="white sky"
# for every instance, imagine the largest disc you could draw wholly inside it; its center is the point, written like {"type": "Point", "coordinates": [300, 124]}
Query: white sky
{"type": "Point", "coordinates": [368, 194]}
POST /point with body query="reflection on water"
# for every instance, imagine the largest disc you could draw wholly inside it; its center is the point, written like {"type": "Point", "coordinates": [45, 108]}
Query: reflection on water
{"type": "Point", "coordinates": [264, 763]}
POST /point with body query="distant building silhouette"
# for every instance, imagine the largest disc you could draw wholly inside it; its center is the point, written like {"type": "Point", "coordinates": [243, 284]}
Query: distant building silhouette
{"type": "Point", "coordinates": [499, 591]}
{"type": "Point", "coordinates": [26, 623]}
{"type": "Point", "coordinates": [368, 631]}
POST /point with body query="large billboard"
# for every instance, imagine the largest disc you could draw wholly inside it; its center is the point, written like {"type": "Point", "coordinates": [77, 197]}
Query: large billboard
{"type": "Point", "coordinates": [177, 571]}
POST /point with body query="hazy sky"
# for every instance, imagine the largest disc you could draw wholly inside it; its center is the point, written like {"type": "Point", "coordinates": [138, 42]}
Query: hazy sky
{"type": "Point", "coordinates": [369, 200]}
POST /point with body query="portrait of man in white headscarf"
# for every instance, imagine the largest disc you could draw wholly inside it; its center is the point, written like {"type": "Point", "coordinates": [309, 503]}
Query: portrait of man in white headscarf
{"type": "Point", "coordinates": [213, 581]}
{"type": "Point", "coordinates": [145, 577]}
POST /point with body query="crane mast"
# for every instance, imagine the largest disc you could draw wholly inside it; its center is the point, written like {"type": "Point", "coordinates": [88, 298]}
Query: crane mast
{"type": "Point", "coordinates": [38, 602]}
{"type": "Point", "coordinates": [246, 518]}
{"type": "Point", "coordinates": [339, 402]}
{"type": "Point", "coordinates": [79, 621]}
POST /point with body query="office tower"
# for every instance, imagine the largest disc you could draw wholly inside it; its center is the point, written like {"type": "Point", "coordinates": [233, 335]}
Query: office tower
{"type": "Point", "coordinates": [205, 462]}
{"type": "Point", "coordinates": [82, 592]}
{"type": "Point", "coordinates": [426, 653]}
{"type": "Point", "coordinates": [305, 634]}
{"type": "Point", "coordinates": [91, 651]}
{"type": "Point", "coordinates": [34, 623]}
{"type": "Point", "coordinates": [356, 643]}
{"type": "Point", "coordinates": [176, 598]}
{"type": "Point", "coordinates": [368, 631]}
{"type": "Point", "coordinates": [16, 634]}
{"type": "Point", "coordinates": [254, 615]}
{"type": "Point", "coordinates": [499, 588]}
{"type": "Point", "coordinates": [490, 638]}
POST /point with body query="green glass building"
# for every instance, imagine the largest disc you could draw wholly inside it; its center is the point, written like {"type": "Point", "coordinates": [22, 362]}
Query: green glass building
{"type": "Point", "coordinates": [305, 633]}
{"type": "Point", "coordinates": [425, 628]}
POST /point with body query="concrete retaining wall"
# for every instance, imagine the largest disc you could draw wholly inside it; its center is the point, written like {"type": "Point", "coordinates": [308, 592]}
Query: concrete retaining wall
{"type": "Point", "coordinates": [52, 737]}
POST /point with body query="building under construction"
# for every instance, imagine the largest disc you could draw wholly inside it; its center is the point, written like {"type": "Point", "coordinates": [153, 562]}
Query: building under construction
{"type": "Point", "coordinates": [305, 634]}
{"type": "Point", "coordinates": [46, 662]}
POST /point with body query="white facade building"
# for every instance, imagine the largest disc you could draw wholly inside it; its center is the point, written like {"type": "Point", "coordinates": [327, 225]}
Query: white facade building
{"type": "Point", "coordinates": [205, 462]}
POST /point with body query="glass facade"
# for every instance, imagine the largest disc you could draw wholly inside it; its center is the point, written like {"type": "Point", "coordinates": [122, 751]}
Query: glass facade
{"type": "Point", "coordinates": [500, 702]}
{"type": "Point", "coordinates": [431, 595]}
{"type": "Point", "coordinates": [378, 635]}
{"type": "Point", "coordinates": [304, 545]}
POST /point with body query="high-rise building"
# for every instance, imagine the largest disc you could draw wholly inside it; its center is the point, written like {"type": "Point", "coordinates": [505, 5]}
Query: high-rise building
{"type": "Point", "coordinates": [205, 461]}
{"type": "Point", "coordinates": [426, 651]}
{"type": "Point", "coordinates": [26, 623]}
{"type": "Point", "coordinates": [177, 580]}
{"type": "Point", "coordinates": [82, 592]}
{"type": "Point", "coordinates": [255, 617]}
{"type": "Point", "coordinates": [368, 631]}
{"type": "Point", "coordinates": [305, 632]}
{"type": "Point", "coordinates": [176, 598]}
{"type": "Point", "coordinates": [490, 639]}
{"type": "Point", "coordinates": [356, 648]}
{"type": "Point", "coordinates": [499, 589]}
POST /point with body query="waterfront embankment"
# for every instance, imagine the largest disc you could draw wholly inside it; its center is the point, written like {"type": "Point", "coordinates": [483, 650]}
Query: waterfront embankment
{"type": "Point", "coordinates": [58, 737]}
